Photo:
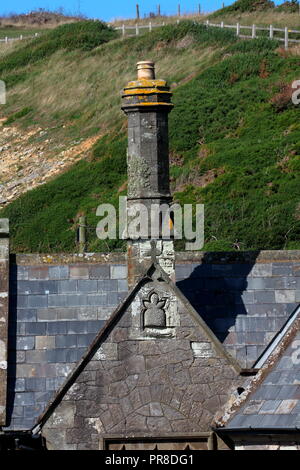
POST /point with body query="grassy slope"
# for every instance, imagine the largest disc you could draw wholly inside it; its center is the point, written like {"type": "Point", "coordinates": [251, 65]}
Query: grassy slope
{"type": "Point", "coordinates": [223, 129]}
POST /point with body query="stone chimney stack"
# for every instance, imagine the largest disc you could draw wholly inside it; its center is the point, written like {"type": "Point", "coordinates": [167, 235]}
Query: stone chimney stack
{"type": "Point", "coordinates": [147, 103]}
{"type": "Point", "coordinates": [4, 279]}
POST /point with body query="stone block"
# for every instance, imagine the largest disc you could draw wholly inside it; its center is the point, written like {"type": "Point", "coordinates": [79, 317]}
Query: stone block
{"type": "Point", "coordinates": [107, 352]}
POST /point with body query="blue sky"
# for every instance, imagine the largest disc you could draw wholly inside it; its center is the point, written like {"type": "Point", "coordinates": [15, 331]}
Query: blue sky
{"type": "Point", "coordinates": [107, 10]}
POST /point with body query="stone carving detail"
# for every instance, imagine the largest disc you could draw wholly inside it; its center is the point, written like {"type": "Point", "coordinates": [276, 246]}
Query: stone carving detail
{"type": "Point", "coordinates": [154, 313]}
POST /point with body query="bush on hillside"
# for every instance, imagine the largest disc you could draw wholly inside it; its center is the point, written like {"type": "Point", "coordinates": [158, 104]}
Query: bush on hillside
{"type": "Point", "coordinates": [84, 35]}
{"type": "Point", "coordinates": [291, 6]}
{"type": "Point", "coordinates": [243, 6]}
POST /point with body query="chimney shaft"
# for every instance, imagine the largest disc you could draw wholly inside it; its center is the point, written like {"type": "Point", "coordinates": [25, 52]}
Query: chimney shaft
{"type": "Point", "coordinates": [147, 103]}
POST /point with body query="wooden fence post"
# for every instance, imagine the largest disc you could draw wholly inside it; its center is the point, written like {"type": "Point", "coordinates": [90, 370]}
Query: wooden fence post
{"type": "Point", "coordinates": [238, 28]}
{"type": "Point", "coordinates": [137, 31]}
{"type": "Point", "coordinates": [271, 31]}
{"type": "Point", "coordinates": [150, 26]}
{"type": "Point", "coordinates": [6, 39]}
{"type": "Point", "coordinates": [82, 234]}
{"type": "Point", "coordinates": [123, 30]}
{"type": "Point", "coordinates": [253, 31]}
{"type": "Point", "coordinates": [286, 38]}
{"type": "Point", "coordinates": [222, 24]}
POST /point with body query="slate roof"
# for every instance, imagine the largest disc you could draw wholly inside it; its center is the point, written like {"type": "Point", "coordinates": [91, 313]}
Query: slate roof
{"type": "Point", "coordinates": [275, 402]}
{"type": "Point", "coordinates": [245, 305]}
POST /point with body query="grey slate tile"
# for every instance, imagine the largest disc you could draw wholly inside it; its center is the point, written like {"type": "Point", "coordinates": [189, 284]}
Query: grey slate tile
{"type": "Point", "coordinates": [269, 406]}
{"type": "Point", "coordinates": [118, 272]}
{"type": "Point", "coordinates": [37, 301]}
{"type": "Point", "coordinates": [35, 384]}
{"type": "Point", "coordinates": [59, 272]}
{"type": "Point", "coordinates": [100, 272]}
{"type": "Point", "coordinates": [57, 328]}
{"type": "Point", "coordinates": [66, 341]}
{"type": "Point", "coordinates": [75, 327]}
{"type": "Point", "coordinates": [35, 356]}
{"type": "Point", "coordinates": [108, 285]}
{"type": "Point", "coordinates": [32, 412]}
{"type": "Point", "coordinates": [264, 297]}
{"type": "Point", "coordinates": [27, 315]}
{"type": "Point", "coordinates": [87, 286]}
{"type": "Point", "coordinates": [36, 328]}
{"type": "Point", "coordinates": [67, 286]}
{"type": "Point", "coordinates": [25, 342]}
{"type": "Point", "coordinates": [24, 398]}
{"type": "Point", "coordinates": [56, 355]}
{"type": "Point", "coordinates": [85, 340]}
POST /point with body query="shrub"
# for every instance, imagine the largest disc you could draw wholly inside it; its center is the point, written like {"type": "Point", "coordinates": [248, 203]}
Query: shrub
{"type": "Point", "coordinates": [84, 35]}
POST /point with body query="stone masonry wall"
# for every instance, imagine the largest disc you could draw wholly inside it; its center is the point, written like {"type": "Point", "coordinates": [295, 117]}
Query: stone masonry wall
{"type": "Point", "coordinates": [144, 381]}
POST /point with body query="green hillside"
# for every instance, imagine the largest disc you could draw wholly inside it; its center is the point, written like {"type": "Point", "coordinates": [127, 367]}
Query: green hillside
{"type": "Point", "coordinates": [234, 131]}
